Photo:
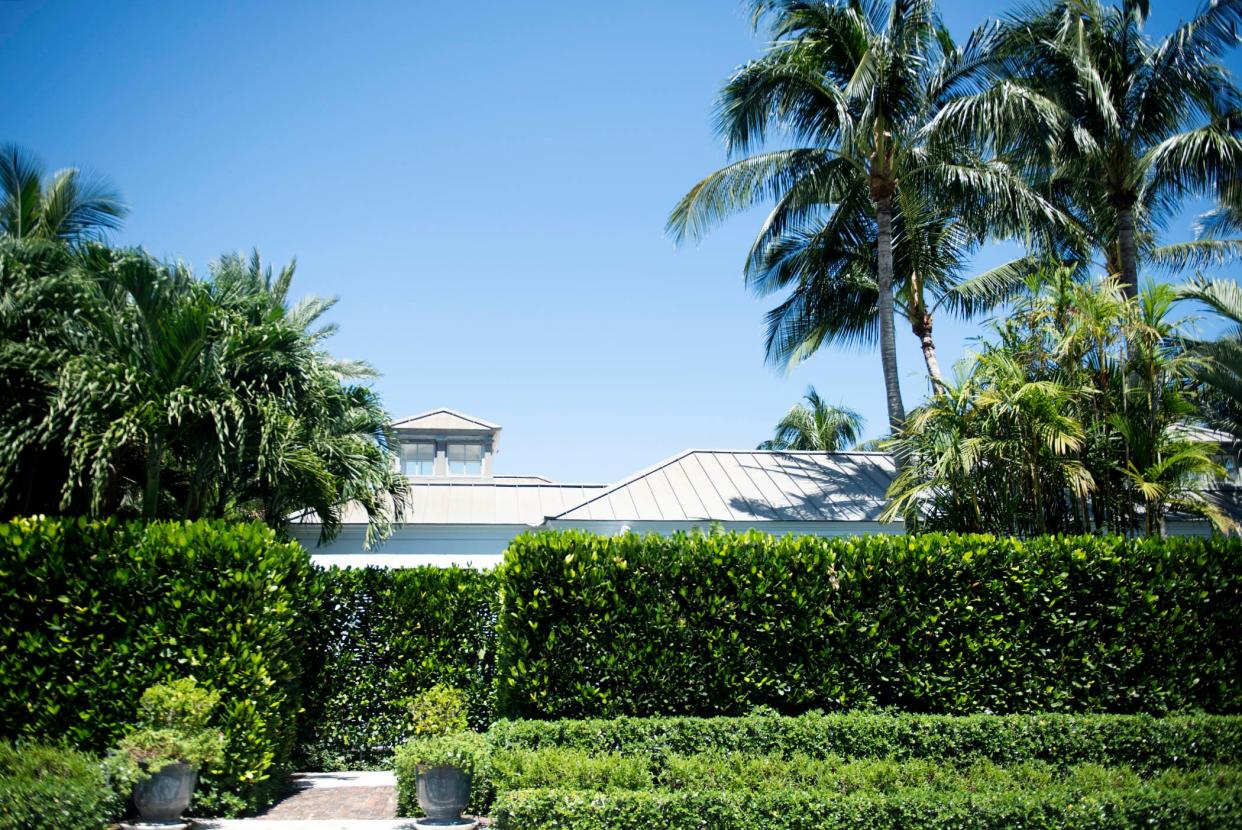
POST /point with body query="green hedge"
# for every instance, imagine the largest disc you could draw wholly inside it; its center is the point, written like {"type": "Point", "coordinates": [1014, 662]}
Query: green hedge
{"type": "Point", "coordinates": [1143, 742]}
{"type": "Point", "coordinates": [94, 612]}
{"type": "Point", "coordinates": [700, 624]}
{"type": "Point", "coordinates": [53, 788]}
{"type": "Point", "coordinates": [385, 635]}
{"type": "Point", "coordinates": [1137, 808]}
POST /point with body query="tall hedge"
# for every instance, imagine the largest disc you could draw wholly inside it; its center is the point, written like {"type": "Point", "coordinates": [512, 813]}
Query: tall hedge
{"type": "Point", "coordinates": [94, 612]}
{"type": "Point", "coordinates": [699, 624]}
{"type": "Point", "coordinates": [385, 635]}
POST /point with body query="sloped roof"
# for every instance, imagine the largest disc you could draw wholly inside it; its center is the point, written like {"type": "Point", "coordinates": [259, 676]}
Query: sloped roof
{"type": "Point", "coordinates": [735, 486]}
{"type": "Point", "coordinates": [446, 419]}
{"type": "Point", "coordinates": [482, 501]}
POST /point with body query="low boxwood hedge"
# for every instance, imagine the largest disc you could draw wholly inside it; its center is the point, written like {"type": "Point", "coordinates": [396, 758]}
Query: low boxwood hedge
{"type": "Point", "coordinates": [718, 624]}
{"type": "Point", "coordinates": [1140, 807]}
{"type": "Point", "coordinates": [53, 788]}
{"type": "Point", "coordinates": [1143, 742]}
{"type": "Point", "coordinates": [94, 612]}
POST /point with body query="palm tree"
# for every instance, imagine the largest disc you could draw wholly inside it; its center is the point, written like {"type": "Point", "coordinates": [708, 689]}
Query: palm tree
{"type": "Point", "coordinates": [170, 396]}
{"type": "Point", "coordinates": [829, 272]}
{"type": "Point", "coordinates": [1221, 366]}
{"type": "Point", "coordinates": [1116, 128]}
{"type": "Point", "coordinates": [859, 83]}
{"type": "Point", "coordinates": [67, 206]}
{"type": "Point", "coordinates": [816, 426]}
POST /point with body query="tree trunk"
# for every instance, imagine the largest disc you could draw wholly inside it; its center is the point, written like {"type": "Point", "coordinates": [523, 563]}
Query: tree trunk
{"type": "Point", "coordinates": [1127, 248]}
{"type": "Point", "coordinates": [884, 282]}
{"type": "Point", "coordinates": [921, 324]}
{"type": "Point", "coordinates": [151, 493]}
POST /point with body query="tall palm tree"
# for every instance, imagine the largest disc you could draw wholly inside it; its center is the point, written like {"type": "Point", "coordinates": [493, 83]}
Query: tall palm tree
{"type": "Point", "coordinates": [858, 83]}
{"type": "Point", "coordinates": [816, 425]}
{"type": "Point", "coordinates": [67, 206]}
{"type": "Point", "coordinates": [1117, 128]}
{"type": "Point", "coordinates": [829, 271]}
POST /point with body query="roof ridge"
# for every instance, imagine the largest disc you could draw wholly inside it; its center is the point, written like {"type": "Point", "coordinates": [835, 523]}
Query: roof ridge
{"type": "Point", "coordinates": [444, 409]}
{"type": "Point", "coordinates": [625, 482]}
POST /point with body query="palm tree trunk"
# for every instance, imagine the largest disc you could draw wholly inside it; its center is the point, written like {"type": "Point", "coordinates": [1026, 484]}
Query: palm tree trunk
{"type": "Point", "coordinates": [922, 326]}
{"type": "Point", "coordinates": [151, 492]}
{"type": "Point", "coordinates": [1127, 248]}
{"type": "Point", "coordinates": [884, 283]}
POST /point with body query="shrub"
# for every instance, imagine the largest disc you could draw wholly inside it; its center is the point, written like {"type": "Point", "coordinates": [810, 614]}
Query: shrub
{"type": "Point", "coordinates": [173, 725]}
{"type": "Point", "coordinates": [1135, 808]}
{"type": "Point", "coordinates": [1143, 742]}
{"type": "Point", "coordinates": [468, 751]}
{"type": "Point", "coordinates": [640, 625]}
{"type": "Point", "coordinates": [386, 635]}
{"type": "Point", "coordinates": [440, 710]}
{"type": "Point", "coordinates": [94, 612]}
{"type": "Point", "coordinates": [53, 788]}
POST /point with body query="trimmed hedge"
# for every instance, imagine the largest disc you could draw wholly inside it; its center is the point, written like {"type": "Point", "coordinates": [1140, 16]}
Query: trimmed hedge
{"type": "Point", "coordinates": [1145, 743]}
{"type": "Point", "coordinates": [385, 635]}
{"type": "Point", "coordinates": [53, 788]}
{"type": "Point", "coordinates": [1138, 808]}
{"type": "Point", "coordinates": [639, 625]}
{"type": "Point", "coordinates": [94, 612]}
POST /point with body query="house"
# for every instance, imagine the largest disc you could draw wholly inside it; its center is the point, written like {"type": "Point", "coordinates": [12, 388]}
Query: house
{"type": "Point", "coordinates": [461, 512]}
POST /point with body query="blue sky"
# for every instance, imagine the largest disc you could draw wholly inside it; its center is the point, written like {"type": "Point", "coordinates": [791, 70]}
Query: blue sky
{"type": "Point", "coordinates": [484, 186]}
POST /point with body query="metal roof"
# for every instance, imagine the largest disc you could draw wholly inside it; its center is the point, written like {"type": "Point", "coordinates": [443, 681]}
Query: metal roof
{"type": "Point", "coordinates": [480, 502]}
{"type": "Point", "coordinates": [446, 419]}
{"type": "Point", "coordinates": [731, 486]}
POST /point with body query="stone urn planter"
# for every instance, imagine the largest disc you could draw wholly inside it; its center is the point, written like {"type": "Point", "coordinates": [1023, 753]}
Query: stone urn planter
{"type": "Point", "coordinates": [443, 793]}
{"type": "Point", "coordinates": [162, 797]}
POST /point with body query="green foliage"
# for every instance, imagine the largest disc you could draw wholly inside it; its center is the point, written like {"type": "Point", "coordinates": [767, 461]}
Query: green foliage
{"type": "Point", "coordinates": [46, 787]}
{"type": "Point", "coordinates": [173, 725]}
{"type": "Point", "coordinates": [699, 624]}
{"type": "Point", "coordinates": [816, 425]}
{"type": "Point", "coordinates": [92, 613]}
{"type": "Point", "coordinates": [1144, 743]}
{"type": "Point", "coordinates": [385, 636]}
{"type": "Point", "coordinates": [1071, 419]}
{"type": "Point", "coordinates": [468, 751]}
{"type": "Point", "coordinates": [440, 710]}
{"type": "Point", "coordinates": [570, 768]}
{"type": "Point", "coordinates": [143, 389]}
{"type": "Point", "coordinates": [1099, 808]}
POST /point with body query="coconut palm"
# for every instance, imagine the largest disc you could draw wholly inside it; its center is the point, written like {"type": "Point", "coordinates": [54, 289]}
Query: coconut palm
{"type": "Point", "coordinates": [1116, 127]}
{"type": "Point", "coordinates": [829, 272]}
{"type": "Point", "coordinates": [68, 205]}
{"type": "Point", "coordinates": [816, 425]}
{"type": "Point", "coordinates": [858, 84]}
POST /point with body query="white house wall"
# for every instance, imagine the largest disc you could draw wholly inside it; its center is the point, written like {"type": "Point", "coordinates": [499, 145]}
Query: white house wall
{"type": "Point", "coordinates": [478, 546]}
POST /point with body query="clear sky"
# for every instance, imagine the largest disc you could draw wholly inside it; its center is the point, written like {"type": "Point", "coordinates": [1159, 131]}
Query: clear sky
{"type": "Point", "coordinates": [484, 185]}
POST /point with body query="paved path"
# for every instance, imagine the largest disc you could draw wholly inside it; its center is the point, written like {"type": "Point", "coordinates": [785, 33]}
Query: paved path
{"type": "Point", "coordinates": [329, 801]}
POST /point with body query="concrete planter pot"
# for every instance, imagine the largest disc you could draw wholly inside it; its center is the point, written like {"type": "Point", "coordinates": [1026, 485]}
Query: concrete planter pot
{"type": "Point", "coordinates": [443, 792]}
{"type": "Point", "coordinates": [162, 797]}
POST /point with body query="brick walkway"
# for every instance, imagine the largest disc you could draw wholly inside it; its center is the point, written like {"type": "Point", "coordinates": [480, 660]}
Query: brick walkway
{"type": "Point", "coordinates": [338, 795]}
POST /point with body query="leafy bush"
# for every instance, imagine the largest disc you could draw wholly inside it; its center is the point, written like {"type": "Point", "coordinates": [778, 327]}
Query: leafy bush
{"type": "Point", "coordinates": [1134, 808]}
{"type": "Point", "coordinates": [468, 751]}
{"type": "Point", "coordinates": [385, 636]}
{"type": "Point", "coordinates": [1146, 743]}
{"type": "Point", "coordinates": [440, 710]}
{"type": "Point", "coordinates": [173, 726]}
{"type": "Point", "coordinates": [575, 769]}
{"type": "Point", "coordinates": [593, 625]}
{"type": "Point", "coordinates": [53, 788]}
{"type": "Point", "coordinates": [94, 612]}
